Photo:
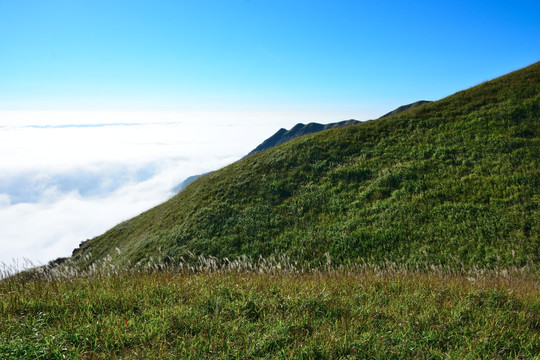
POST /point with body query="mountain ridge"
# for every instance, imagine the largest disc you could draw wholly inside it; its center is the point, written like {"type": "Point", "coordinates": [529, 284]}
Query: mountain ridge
{"type": "Point", "coordinates": [284, 135]}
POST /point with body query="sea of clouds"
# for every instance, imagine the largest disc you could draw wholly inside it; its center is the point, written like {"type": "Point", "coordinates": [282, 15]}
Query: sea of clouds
{"type": "Point", "coordinates": [69, 176]}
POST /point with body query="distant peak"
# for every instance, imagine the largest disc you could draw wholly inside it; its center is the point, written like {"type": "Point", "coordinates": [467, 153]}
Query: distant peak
{"type": "Point", "coordinates": [283, 135]}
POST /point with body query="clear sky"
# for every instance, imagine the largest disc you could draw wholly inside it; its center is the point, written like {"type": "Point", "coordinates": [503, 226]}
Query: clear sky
{"type": "Point", "coordinates": [255, 54]}
{"type": "Point", "coordinates": [107, 105]}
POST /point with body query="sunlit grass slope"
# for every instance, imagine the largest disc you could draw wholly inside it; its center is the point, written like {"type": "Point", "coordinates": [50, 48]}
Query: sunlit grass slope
{"type": "Point", "coordinates": [454, 181]}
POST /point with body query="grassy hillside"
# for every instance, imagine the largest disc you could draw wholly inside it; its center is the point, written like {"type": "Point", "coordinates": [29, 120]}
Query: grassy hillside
{"type": "Point", "coordinates": [453, 182]}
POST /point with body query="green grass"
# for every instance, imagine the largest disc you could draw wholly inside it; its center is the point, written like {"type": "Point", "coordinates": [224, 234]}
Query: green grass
{"type": "Point", "coordinates": [454, 179]}
{"type": "Point", "coordinates": [271, 311]}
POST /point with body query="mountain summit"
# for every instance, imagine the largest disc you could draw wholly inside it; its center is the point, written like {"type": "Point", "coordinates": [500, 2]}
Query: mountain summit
{"type": "Point", "coordinates": [455, 182]}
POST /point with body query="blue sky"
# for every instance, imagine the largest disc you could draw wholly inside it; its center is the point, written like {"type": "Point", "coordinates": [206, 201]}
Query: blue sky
{"type": "Point", "coordinates": [258, 54]}
{"type": "Point", "coordinates": [106, 106]}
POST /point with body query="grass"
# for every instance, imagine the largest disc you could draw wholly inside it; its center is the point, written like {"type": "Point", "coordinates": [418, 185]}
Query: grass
{"type": "Point", "coordinates": [245, 309]}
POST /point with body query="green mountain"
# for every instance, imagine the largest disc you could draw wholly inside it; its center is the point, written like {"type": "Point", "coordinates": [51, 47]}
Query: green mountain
{"type": "Point", "coordinates": [454, 181]}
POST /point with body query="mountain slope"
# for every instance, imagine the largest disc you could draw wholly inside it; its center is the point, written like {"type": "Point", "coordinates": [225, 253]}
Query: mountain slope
{"type": "Point", "coordinates": [454, 181]}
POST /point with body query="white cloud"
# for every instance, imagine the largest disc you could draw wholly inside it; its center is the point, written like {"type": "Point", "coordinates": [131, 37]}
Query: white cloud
{"type": "Point", "coordinates": [55, 224]}
{"type": "Point", "coordinates": [43, 231]}
{"type": "Point", "coordinates": [4, 200]}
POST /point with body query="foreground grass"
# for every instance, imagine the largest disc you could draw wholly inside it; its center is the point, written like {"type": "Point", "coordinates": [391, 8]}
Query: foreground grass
{"type": "Point", "coordinates": [363, 313]}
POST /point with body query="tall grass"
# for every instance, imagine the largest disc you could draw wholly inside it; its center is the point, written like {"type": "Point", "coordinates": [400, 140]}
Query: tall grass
{"type": "Point", "coordinates": [204, 307]}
